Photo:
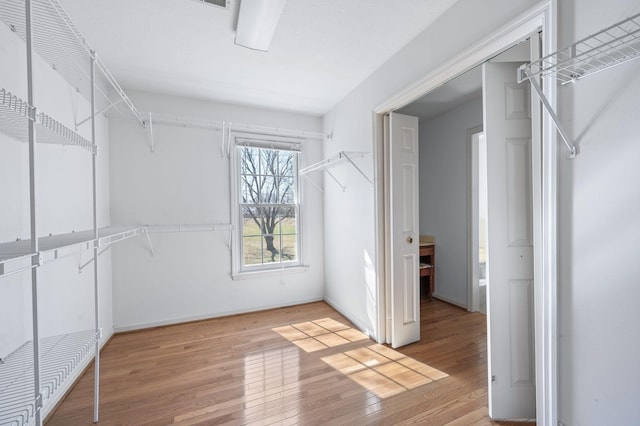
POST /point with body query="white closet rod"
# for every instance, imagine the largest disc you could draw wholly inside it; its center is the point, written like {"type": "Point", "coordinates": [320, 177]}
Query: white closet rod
{"type": "Point", "coordinates": [211, 227]}
{"type": "Point", "coordinates": [156, 229]}
{"type": "Point", "coordinates": [186, 121]}
{"type": "Point", "coordinates": [336, 159]}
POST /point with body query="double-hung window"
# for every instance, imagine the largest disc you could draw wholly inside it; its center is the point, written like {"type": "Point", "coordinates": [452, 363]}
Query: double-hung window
{"type": "Point", "coordinates": [268, 216]}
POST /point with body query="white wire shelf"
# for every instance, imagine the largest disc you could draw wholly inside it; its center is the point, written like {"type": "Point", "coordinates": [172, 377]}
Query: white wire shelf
{"type": "Point", "coordinates": [341, 157]}
{"type": "Point", "coordinates": [60, 357]}
{"type": "Point", "coordinates": [225, 127]}
{"type": "Point", "coordinates": [618, 44]}
{"type": "Point", "coordinates": [16, 113]}
{"type": "Point", "coordinates": [59, 42]}
{"type": "Point", "coordinates": [16, 256]}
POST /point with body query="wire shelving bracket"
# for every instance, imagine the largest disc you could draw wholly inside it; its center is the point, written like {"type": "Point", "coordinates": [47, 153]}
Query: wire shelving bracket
{"type": "Point", "coordinates": [615, 45]}
{"type": "Point", "coordinates": [339, 158]}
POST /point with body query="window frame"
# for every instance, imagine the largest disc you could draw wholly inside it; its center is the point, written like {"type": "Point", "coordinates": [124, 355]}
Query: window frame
{"type": "Point", "coordinates": [238, 268]}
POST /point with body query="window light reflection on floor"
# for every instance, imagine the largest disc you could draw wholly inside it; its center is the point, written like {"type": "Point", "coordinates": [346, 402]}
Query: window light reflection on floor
{"type": "Point", "coordinates": [320, 334]}
{"type": "Point", "coordinates": [377, 368]}
{"type": "Point", "coordinates": [382, 370]}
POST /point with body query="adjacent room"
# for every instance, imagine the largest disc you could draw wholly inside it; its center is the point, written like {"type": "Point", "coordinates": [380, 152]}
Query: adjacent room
{"type": "Point", "coordinates": [319, 212]}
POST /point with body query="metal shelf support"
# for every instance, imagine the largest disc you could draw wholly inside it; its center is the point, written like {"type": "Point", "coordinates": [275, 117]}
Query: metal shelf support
{"type": "Point", "coordinates": [556, 120]}
{"type": "Point", "coordinates": [339, 158]}
{"type": "Point", "coordinates": [612, 46]}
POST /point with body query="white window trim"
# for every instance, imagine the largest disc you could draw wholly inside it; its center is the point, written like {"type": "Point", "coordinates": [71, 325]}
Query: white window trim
{"type": "Point", "coordinates": [269, 142]}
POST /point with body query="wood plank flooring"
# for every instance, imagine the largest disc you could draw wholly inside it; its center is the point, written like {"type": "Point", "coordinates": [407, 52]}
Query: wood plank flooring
{"type": "Point", "coordinates": [313, 369]}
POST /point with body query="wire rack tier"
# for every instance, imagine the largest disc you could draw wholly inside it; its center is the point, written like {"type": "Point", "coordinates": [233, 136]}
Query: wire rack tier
{"type": "Point", "coordinates": [15, 256]}
{"type": "Point", "coordinates": [14, 116]}
{"type": "Point", "coordinates": [59, 42]}
{"type": "Point", "coordinates": [612, 46]}
{"type": "Point", "coordinates": [60, 357]}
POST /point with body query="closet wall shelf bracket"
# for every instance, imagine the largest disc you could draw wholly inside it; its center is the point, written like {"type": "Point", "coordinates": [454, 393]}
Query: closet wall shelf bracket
{"type": "Point", "coordinates": [554, 117]}
{"type": "Point", "coordinates": [339, 158]}
{"type": "Point", "coordinates": [102, 111]}
{"type": "Point", "coordinates": [149, 129]}
{"type": "Point", "coordinates": [615, 45]}
{"type": "Point", "coordinates": [146, 234]}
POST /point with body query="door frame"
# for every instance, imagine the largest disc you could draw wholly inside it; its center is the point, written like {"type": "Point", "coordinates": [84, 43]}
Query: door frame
{"type": "Point", "coordinates": [473, 278]}
{"type": "Point", "coordinates": [542, 17]}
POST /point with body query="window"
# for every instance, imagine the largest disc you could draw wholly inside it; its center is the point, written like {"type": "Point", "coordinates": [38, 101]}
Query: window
{"type": "Point", "coordinates": [268, 207]}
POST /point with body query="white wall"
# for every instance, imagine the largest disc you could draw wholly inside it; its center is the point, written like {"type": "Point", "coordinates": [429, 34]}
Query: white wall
{"type": "Point", "coordinates": [64, 204]}
{"type": "Point", "coordinates": [444, 186]}
{"type": "Point", "coordinates": [186, 181]}
{"type": "Point", "coordinates": [599, 227]}
{"type": "Point", "coordinates": [349, 217]}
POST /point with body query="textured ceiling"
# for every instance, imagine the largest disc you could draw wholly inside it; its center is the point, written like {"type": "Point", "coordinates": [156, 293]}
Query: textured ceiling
{"type": "Point", "coordinates": [322, 49]}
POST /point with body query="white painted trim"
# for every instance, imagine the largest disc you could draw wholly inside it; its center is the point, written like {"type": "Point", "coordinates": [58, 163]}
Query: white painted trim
{"type": "Point", "coordinates": [263, 273]}
{"type": "Point", "coordinates": [541, 17]}
{"type": "Point", "coordinates": [546, 313]}
{"type": "Point", "coordinates": [381, 334]}
{"type": "Point", "coordinates": [473, 296]}
{"type": "Point", "coordinates": [182, 320]}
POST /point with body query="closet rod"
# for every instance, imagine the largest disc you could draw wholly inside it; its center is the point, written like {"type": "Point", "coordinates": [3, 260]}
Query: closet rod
{"type": "Point", "coordinates": [336, 159]}
{"type": "Point", "coordinates": [201, 123]}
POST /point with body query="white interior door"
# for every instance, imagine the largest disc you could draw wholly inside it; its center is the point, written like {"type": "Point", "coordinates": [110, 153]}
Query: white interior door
{"type": "Point", "coordinates": [510, 303]}
{"type": "Point", "coordinates": [404, 230]}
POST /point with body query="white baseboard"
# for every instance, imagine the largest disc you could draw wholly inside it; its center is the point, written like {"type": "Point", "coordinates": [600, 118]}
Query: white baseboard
{"type": "Point", "coordinates": [360, 325]}
{"type": "Point", "coordinates": [450, 301]}
{"type": "Point", "coordinates": [174, 321]}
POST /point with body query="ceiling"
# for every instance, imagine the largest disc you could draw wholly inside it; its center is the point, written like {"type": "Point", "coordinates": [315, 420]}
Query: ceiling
{"type": "Point", "coordinates": [463, 88]}
{"type": "Point", "coordinates": [455, 92]}
{"type": "Point", "coordinates": [322, 49]}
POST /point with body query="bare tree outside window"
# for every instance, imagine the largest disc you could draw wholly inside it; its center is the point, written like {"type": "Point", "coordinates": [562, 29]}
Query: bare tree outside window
{"type": "Point", "coordinates": [268, 197]}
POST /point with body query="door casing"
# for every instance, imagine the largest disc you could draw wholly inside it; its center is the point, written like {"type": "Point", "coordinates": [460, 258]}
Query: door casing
{"type": "Point", "coordinates": [542, 18]}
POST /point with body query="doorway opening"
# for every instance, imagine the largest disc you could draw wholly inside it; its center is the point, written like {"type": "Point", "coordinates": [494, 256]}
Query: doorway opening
{"type": "Point", "coordinates": [479, 223]}
{"type": "Point", "coordinates": [528, 153]}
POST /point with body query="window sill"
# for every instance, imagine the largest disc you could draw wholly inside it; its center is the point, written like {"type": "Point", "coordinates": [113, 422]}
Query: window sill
{"type": "Point", "coordinates": [269, 272]}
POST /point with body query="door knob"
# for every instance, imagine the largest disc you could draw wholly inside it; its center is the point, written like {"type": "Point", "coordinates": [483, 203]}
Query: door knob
{"type": "Point", "coordinates": [410, 240]}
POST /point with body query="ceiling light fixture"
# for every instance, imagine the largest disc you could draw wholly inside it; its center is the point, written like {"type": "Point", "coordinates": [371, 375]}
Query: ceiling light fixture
{"type": "Point", "coordinates": [257, 23]}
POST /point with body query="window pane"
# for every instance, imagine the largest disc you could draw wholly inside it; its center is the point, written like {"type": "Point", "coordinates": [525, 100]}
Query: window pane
{"type": "Point", "coordinates": [252, 248]}
{"type": "Point", "coordinates": [285, 160]}
{"type": "Point", "coordinates": [289, 248]}
{"type": "Point", "coordinates": [251, 221]}
{"type": "Point", "coordinates": [268, 162]}
{"type": "Point", "coordinates": [248, 189]}
{"type": "Point", "coordinates": [267, 196]}
{"type": "Point", "coordinates": [268, 190]}
{"type": "Point", "coordinates": [286, 190]}
{"type": "Point", "coordinates": [249, 160]}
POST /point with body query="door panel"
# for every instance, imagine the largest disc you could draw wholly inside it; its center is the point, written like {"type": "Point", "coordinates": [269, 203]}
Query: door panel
{"type": "Point", "coordinates": [405, 296]}
{"type": "Point", "coordinates": [507, 125]}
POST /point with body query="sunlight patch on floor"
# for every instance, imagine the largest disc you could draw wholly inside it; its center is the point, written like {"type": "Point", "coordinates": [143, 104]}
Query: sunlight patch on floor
{"type": "Point", "coordinates": [382, 370]}
{"type": "Point", "coordinates": [316, 335]}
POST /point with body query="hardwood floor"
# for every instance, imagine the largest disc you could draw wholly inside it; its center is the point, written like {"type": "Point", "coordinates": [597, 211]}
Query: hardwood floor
{"type": "Point", "coordinates": [239, 370]}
